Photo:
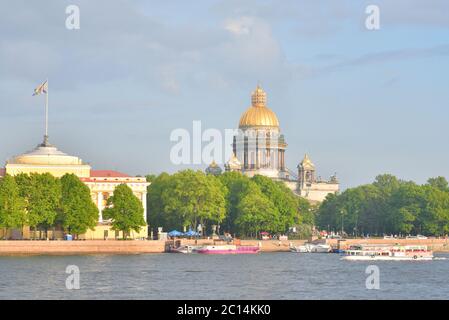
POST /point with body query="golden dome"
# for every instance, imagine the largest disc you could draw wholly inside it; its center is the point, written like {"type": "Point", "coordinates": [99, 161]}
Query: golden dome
{"type": "Point", "coordinates": [307, 163]}
{"type": "Point", "coordinates": [258, 115]}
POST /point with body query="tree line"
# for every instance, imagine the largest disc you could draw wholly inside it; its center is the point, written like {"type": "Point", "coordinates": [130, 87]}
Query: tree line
{"type": "Point", "coordinates": [388, 206]}
{"type": "Point", "coordinates": [44, 202]}
{"type": "Point", "coordinates": [232, 201]}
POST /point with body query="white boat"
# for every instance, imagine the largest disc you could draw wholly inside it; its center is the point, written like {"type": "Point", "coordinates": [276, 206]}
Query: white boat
{"type": "Point", "coordinates": [387, 252]}
{"type": "Point", "coordinates": [311, 248]}
{"type": "Point", "coordinates": [320, 248]}
{"type": "Point", "coordinates": [186, 249]}
{"type": "Point", "coordinates": [299, 249]}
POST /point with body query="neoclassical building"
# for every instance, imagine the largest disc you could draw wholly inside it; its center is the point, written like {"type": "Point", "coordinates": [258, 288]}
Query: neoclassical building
{"type": "Point", "coordinates": [46, 158]}
{"type": "Point", "coordinates": [259, 148]}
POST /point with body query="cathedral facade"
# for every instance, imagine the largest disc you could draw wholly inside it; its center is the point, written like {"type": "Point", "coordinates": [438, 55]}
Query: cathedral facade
{"type": "Point", "coordinates": [260, 148]}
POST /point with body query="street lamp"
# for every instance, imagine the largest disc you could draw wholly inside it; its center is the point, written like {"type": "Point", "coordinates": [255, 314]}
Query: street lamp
{"type": "Point", "coordinates": [341, 213]}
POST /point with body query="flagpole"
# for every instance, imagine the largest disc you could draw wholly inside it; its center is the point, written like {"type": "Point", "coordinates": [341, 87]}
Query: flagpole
{"type": "Point", "coordinates": [46, 113]}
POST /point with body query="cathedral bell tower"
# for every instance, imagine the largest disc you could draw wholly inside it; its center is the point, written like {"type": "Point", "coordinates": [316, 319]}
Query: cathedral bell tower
{"type": "Point", "coordinates": [306, 173]}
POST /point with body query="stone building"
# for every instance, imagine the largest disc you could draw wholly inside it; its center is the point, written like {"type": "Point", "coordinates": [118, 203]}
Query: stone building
{"type": "Point", "coordinates": [260, 147]}
{"type": "Point", "coordinates": [46, 158]}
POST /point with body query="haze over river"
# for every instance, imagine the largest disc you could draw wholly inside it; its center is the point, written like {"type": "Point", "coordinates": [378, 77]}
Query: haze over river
{"type": "Point", "coordinates": [179, 276]}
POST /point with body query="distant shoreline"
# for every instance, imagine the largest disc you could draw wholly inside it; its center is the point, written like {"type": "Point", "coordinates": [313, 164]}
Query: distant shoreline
{"type": "Point", "coordinates": [86, 247]}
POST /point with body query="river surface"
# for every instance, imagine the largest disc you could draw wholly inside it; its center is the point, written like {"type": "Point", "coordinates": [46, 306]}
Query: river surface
{"type": "Point", "coordinates": [179, 276]}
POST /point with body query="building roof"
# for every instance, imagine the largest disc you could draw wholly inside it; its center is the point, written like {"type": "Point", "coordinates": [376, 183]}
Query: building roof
{"type": "Point", "coordinates": [111, 176]}
{"type": "Point", "coordinates": [108, 173]}
{"type": "Point", "coordinates": [45, 154]}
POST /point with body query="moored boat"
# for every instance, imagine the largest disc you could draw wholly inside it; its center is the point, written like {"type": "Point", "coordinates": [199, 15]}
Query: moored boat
{"type": "Point", "coordinates": [311, 248]}
{"type": "Point", "coordinates": [299, 249]}
{"type": "Point", "coordinates": [387, 252]}
{"type": "Point", "coordinates": [185, 249]}
{"type": "Point", "coordinates": [228, 249]}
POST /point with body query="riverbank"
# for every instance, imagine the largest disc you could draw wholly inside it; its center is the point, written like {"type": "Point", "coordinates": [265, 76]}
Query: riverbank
{"type": "Point", "coordinates": [37, 247]}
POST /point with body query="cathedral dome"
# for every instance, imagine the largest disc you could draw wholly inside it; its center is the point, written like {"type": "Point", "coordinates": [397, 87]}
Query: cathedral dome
{"type": "Point", "coordinates": [258, 115]}
{"type": "Point", "coordinates": [45, 154]}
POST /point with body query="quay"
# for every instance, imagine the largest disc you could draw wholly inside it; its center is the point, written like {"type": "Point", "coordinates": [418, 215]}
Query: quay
{"type": "Point", "coordinates": [81, 247]}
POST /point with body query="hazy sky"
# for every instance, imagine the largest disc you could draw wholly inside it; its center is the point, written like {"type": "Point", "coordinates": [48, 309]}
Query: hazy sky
{"type": "Point", "coordinates": [359, 102]}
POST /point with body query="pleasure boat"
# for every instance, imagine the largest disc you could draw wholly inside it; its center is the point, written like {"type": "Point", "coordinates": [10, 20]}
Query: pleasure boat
{"type": "Point", "coordinates": [228, 249]}
{"type": "Point", "coordinates": [310, 247]}
{"type": "Point", "coordinates": [299, 249]}
{"type": "Point", "coordinates": [388, 252]}
{"type": "Point", "coordinates": [185, 249]}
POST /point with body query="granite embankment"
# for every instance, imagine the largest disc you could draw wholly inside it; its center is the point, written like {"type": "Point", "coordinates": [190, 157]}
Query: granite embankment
{"type": "Point", "coordinates": [30, 247]}
{"type": "Point", "coordinates": [36, 247]}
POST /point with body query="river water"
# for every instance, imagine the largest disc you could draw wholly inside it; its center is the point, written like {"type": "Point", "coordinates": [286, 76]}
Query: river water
{"type": "Point", "coordinates": [261, 276]}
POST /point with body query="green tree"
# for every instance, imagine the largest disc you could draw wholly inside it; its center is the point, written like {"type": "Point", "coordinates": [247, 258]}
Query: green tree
{"type": "Point", "coordinates": [440, 183]}
{"type": "Point", "coordinates": [151, 177]}
{"type": "Point", "coordinates": [238, 186]}
{"type": "Point", "coordinates": [283, 200]}
{"type": "Point", "coordinates": [405, 206]}
{"type": "Point", "coordinates": [12, 205]}
{"type": "Point", "coordinates": [42, 193]}
{"type": "Point", "coordinates": [156, 213]}
{"type": "Point", "coordinates": [78, 212]}
{"type": "Point", "coordinates": [125, 210]}
{"type": "Point", "coordinates": [257, 213]}
{"type": "Point", "coordinates": [195, 198]}
{"type": "Point", "coordinates": [389, 205]}
{"type": "Point", "coordinates": [307, 212]}
{"type": "Point", "coordinates": [434, 214]}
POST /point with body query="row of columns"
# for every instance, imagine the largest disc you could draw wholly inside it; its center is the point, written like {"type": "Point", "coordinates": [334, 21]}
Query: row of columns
{"type": "Point", "coordinates": [263, 158]}
{"type": "Point", "coordinates": [100, 199]}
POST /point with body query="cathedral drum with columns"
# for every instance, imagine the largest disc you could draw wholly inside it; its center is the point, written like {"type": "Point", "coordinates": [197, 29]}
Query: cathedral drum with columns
{"type": "Point", "coordinates": [259, 148]}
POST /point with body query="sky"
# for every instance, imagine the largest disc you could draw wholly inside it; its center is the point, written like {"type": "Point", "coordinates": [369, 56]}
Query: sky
{"type": "Point", "coordinates": [360, 102]}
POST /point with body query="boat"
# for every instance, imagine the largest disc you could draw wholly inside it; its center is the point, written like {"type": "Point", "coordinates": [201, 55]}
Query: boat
{"type": "Point", "coordinates": [388, 252]}
{"type": "Point", "coordinates": [228, 249]}
{"type": "Point", "coordinates": [311, 248]}
{"type": "Point", "coordinates": [299, 249]}
{"type": "Point", "coordinates": [320, 248]}
{"type": "Point", "coordinates": [185, 249]}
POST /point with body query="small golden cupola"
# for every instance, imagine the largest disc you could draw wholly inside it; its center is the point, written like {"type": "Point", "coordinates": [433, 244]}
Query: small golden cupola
{"type": "Point", "coordinates": [307, 163]}
{"type": "Point", "coordinates": [258, 115]}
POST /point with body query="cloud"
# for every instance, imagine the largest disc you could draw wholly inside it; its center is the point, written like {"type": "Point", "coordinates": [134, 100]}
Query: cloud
{"type": "Point", "coordinates": [392, 55]}
{"type": "Point", "coordinates": [415, 13]}
{"type": "Point", "coordinates": [240, 26]}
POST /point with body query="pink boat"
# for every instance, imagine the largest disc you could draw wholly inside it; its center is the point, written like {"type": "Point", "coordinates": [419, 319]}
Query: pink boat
{"type": "Point", "coordinates": [228, 249]}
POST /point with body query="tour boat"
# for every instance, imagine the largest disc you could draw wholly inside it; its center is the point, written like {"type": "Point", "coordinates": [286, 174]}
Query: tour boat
{"type": "Point", "coordinates": [185, 249]}
{"type": "Point", "coordinates": [321, 248]}
{"type": "Point", "coordinates": [228, 249]}
{"type": "Point", "coordinates": [299, 249]}
{"type": "Point", "coordinates": [388, 252]}
{"type": "Point", "coordinates": [310, 247]}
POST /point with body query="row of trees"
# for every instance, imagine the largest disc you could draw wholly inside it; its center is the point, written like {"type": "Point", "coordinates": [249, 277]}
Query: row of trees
{"type": "Point", "coordinates": [389, 206]}
{"type": "Point", "coordinates": [238, 204]}
{"type": "Point", "coordinates": [44, 202]}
